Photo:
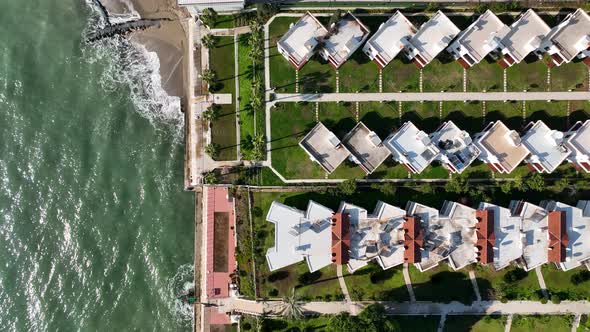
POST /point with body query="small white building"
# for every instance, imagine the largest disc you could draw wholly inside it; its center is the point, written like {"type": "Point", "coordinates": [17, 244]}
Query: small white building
{"type": "Point", "coordinates": [521, 38]}
{"type": "Point", "coordinates": [412, 147]}
{"type": "Point", "coordinates": [195, 7]}
{"type": "Point", "coordinates": [299, 44]}
{"type": "Point", "coordinates": [501, 148]}
{"type": "Point", "coordinates": [431, 39]}
{"type": "Point", "coordinates": [547, 147]}
{"type": "Point", "coordinates": [459, 224]}
{"type": "Point", "coordinates": [300, 235]}
{"type": "Point", "coordinates": [535, 233]}
{"type": "Point", "coordinates": [508, 243]}
{"type": "Point", "coordinates": [366, 148]}
{"type": "Point", "coordinates": [568, 39]}
{"type": "Point", "coordinates": [345, 37]}
{"type": "Point", "coordinates": [389, 40]}
{"type": "Point", "coordinates": [435, 248]}
{"type": "Point", "coordinates": [474, 43]}
{"type": "Point", "coordinates": [577, 140]}
{"type": "Point", "coordinates": [324, 148]}
{"type": "Point", "coordinates": [457, 150]}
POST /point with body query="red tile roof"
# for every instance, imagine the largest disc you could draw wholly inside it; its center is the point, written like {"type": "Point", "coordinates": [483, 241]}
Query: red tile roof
{"type": "Point", "coordinates": [485, 236]}
{"type": "Point", "coordinates": [413, 240]}
{"type": "Point", "coordinates": [340, 238]}
{"type": "Point", "coordinates": [558, 239]}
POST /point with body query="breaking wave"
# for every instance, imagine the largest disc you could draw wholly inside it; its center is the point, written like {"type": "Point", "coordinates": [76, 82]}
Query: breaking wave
{"type": "Point", "coordinates": [131, 64]}
{"type": "Point", "coordinates": [178, 286]}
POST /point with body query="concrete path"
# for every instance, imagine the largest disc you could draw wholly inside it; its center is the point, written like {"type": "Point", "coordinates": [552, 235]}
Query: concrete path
{"type": "Point", "coordinates": [542, 282]}
{"type": "Point", "coordinates": [230, 31]}
{"type": "Point", "coordinates": [342, 283]}
{"type": "Point", "coordinates": [475, 286]}
{"type": "Point", "coordinates": [441, 323]}
{"type": "Point", "coordinates": [576, 323]}
{"type": "Point", "coordinates": [432, 96]}
{"type": "Point", "coordinates": [415, 308]}
{"type": "Point", "coordinates": [508, 324]}
{"type": "Point", "coordinates": [408, 282]}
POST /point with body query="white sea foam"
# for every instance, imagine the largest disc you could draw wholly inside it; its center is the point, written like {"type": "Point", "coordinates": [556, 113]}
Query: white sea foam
{"type": "Point", "coordinates": [132, 65]}
{"type": "Point", "coordinates": [179, 285]}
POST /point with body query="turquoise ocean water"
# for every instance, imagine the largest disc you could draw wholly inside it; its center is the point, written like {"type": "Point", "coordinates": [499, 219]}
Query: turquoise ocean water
{"type": "Point", "coordinates": [95, 229]}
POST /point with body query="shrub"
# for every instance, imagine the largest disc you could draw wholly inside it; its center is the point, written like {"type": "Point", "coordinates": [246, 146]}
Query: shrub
{"type": "Point", "coordinates": [279, 275]}
{"type": "Point", "coordinates": [580, 277]}
{"type": "Point", "coordinates": [504, 300]}
{"type": "Point", "coordinates": [555, 299]}
{"type": "Point", "coordinates": [309, 278]}
{"type": "Point", "coordinates": [246, 326]}
{"type": "Point", "coordinates": [256, 211]}
{"type": "Point", "coordinates": [544, 300]}
{"type": "Point", "coordinates": [273, 292]}
{"type": "Point", "coordinates": [515, 275]}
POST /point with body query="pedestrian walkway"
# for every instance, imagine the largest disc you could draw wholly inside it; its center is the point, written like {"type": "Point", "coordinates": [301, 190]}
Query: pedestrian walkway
{"type": "Point", "coordinates": [475, 286]}
{"type": "Point", "coordinates": [508, 324]}
{"type": "Point", "coordinates": [408, 282]}
{"type": "Point", "coordinates": [541, 282]}
{"type": "Point", "coordinates": [342, 283]}
{"type": "Point", "coordinates": [431, 96]}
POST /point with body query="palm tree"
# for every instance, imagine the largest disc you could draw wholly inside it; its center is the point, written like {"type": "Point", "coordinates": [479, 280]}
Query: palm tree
{"type": "Point", "coordinates": [212, 150]}
{"type": "Point", "coordinates": [209, 41]}
{"type": "Point", "coordinates": [258, 142]}
{"type": "Point", "coordinates": [292, 307]}
{"type": "Point", "coordinates": [210, 178]}
{"type": "Point", "coordinates": [210, 77]}
{"type": "Point", "coordinates": [212, 113]}
{"type": "Point", "coordinates": [208, 17]}
{"type": "Point", "coordinates": [256, 103]}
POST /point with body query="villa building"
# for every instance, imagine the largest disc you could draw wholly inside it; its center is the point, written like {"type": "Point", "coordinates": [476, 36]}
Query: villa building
{"type": "Point", "coordinates": [506, 242]}
{"type": "Point", "coordinates": [431, 39]}
{"type": "Point", "coordinates": [535, 235]}
{"type": "Point", "coordinates": [389, 40]}
{"type": "Point", "coordinates": [366, 148]}
{"type": "Point", "coordinates": [461, 225]}
{"type": "Point", "coordinates": [342, 39]}
{"type": "Point", "coordinates": [547, 147]}
{"type": "Point", "coordinates": [434, 236]}
{"type": "Point", "coordinates": [299, 44]}
{"type": "Point", "coordinates": [576, 140]}
{"type": "Point", "coordinates": [412, 147]}
{"type": "Point", "coordinates": [570, 234]}
{"type": "Point", "coordinates": [324, 147]}
{"type": "Point", "coordinates": [501, 148]}
{"type": "Point", "coordinates": [568, 39]}
{"type": "Point", "coordinates": [474, 43]}
{"type": "Point", "coordinates": [300, 235]}
{"type": "Point", "coordinates": [457, 150]}
{"type": "Point", "coordinates": [521, 38]}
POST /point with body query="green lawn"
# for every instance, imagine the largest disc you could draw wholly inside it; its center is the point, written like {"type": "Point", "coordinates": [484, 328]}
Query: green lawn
{"type": "Point", "coordinates": [417, 323]}
{"type": "Point", "coordinates": [223, 132]}
{"type": "Point", "coordinates": [570, 76]}
{"type": "Point", "coordinates": [560, 283]}
{"type": "Point", "coordinates": [486, 75]}
{"type": "Point", "coordinates": [554, 114]}
{"type": "Point", "coordinates": [282, 73]}
{"type": "Point", "coordinates": [579, 111]}
{"type": "Point", "coordinates": [359, 74]}
{"type": "Point", "coordinates": [466, 115]}
{"type": "Point", "coordinates": [290, 122]}
{"type": "Point", "coordinates": [475, 323]}
{"type": "Point", "coordinates": [493, 285]}
{"type": "Point", "coordinates": [509, 112]}
{"type": "Point", "coordinates": [545, 323]}
{"type": "Point", "coordinates": [530, 75]}
{"type": "Point", "coordinates": [401, 75]}
{"type": "Point", "coordinates": [382, 118]}
{"type": "Point", "coordinates": [317, 76]}
{"type": "Point", "coordinates": [319, 323]}
{"type": "Point", "coordinates": [426, 116]}
{"type": "Point", "coordinates": [374, 283]}
{"type": "Point", "coordinates": [441, 284]}
{"type": "Point", "coordinates": [443, 74]}
{"type": "Point", "coordinates": [224, 22]}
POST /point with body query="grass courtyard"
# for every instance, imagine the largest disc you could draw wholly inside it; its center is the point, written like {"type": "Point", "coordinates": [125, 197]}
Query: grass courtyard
{"type": "Point", "coordinates": [442, 284]}
{"type": "Point", "coordinates": [562, 285]}
{"type": "Point", "coordinates": [542, 323]}
{"type": "Point", "coordinates": [223, 130]}
{"type": "Point", "coordinates": [475, 323]}
{"type": "Point", "coordinates": [374, 283]}
{"type": "Point", "coordinates": [510, 283]}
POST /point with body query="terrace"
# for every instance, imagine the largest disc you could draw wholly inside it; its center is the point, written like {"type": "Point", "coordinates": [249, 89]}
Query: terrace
{"type": "Point", "coordinates": [299, 43]}
{"type": "Point", "coordinates": [343, 39]}
{"type": "Point", "coordinates": [508, 244]}
{"type": "Point", "coordinates": [575, 221]}
{"type": "Point", "coordinates": [534, 223]}
{"type": "Point", "coordinates": [500, 147]}
{"type": "Point", "coordinates": [300, 235]}
{"type": "Point", "coordinates": [576, 139]}
{"type": "Point", "coordinates": [474, 43]}
{"type": "Point", "coordinates": [567, 39]}
{"type": "Point", "coordinates": [523, 37]}
{"type": "Point", "coordinates": [546, 147]}
{"type": "Point", "coordinates": [324, 148]}
{"type": "Point", "coordinates": [412, 147]}
{"type": "Point", "coordinates": [431, 39]}
{"type": "Point", "coordinates": [366, 148]}
{"type": "Point", "coordinates": [389, 40]}
{"type": "Point", "coordinates": [459, 225]}
{"type": "Point", "coordinates": [457, 150]}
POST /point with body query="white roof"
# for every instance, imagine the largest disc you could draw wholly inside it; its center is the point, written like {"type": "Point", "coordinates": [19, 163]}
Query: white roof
{"type": "Point", "coordinates": [500, 145]}
{"type": "Point", "coordinates": [578, 140]}
{"type": "Point", "coordinates": [409, 145]}
{"type": "Point", "coordinates": [570, 35]}
{"type": "Point", "coordinates": [545, 146]}
{"type": "Point", "coordinates": [455, 146]}
{"type": "Point", "coordinates": [435, 237]}
{"type": "Point", "coordinates": [433, 37]}
{"type": "Point", "coordinates": [578, 232]}
{"type": "Point", "coordinates": [351, 33]}
{"type": "Point", "coordinates": [391, 37]}
{"type": "Point", "coordinates": [508, 245]}
{"type": "Point", "coordinates": [300, 235]}
{"type": "Point", "coordinates": [324, 147]}
{"type": "Point", "coordinates": [302, 37]}
{"type": "Point", "coordinates": [460, 227]}
{"type": "Point", "coordinates": [366, 147]}
{"type": "Point", "coordinates": [475, 40]}
{"type": "Point", "coordinates": [524, 36]}
{"type": "Point", "coordinates": [535, 235]}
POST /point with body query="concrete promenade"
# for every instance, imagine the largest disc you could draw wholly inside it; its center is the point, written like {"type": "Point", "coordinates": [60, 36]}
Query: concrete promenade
{"type": "Point", "coordinates": [431, 96]}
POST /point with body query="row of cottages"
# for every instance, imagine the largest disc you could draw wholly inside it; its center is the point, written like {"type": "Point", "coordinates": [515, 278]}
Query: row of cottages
{"type": "Point", "coordinates": [540, 147]}
{"type": "Point", "coordinates": [524, 233]}
{"type": "Point", "coordinates": [486, 35]}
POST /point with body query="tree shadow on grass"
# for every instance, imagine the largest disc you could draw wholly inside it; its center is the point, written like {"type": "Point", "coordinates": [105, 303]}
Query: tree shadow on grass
{"type": "Point", "coordinates": [427, 124]}
{"type": "Point", "coordinates": [383, 126]}
{"type": "Point", "coordinates": [340, 128]}
{"type": "Point", "coordinates": [579, 115]}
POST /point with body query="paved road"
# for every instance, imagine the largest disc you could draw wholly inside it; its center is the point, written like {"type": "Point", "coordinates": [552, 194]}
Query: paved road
{"type": "Point", "coordinates": [417, 308]}
{"type": "Point", "coordinates": [432, 96]}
